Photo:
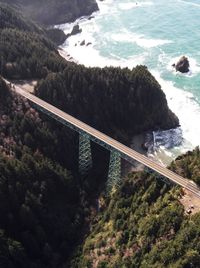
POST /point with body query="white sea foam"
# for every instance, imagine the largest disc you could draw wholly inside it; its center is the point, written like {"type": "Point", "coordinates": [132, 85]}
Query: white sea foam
{"type": "Point", "coordinates": [149, 43]}
{"type": "Point", "coordinates": [190, 3]}
{"type": "Point", "coordinates": [140, 40]}
{"type": "Point", "coordinates": [181, 102]}
{"type": "Point", "coordinates": [91, 57]}
{"type": "Point", "coordinates": [186, 107]}
{"type": "Point", "coordinates": [89, 54]}
{"type": "Point", "coordinates": [129, 5]}
{"type": "Point", "coordinates": [105, 6]}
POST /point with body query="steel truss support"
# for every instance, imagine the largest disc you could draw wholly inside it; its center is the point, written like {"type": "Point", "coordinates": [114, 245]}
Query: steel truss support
{"type": "Point", "coordinates": [85, 155]}
{"type": "Point", "coordinates": [114, 172]}
{"type": "Point", "coordinates": [158, 176]}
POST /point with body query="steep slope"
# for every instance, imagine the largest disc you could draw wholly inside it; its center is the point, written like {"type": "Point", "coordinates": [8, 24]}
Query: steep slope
{"type": "Point", "coordinates": [131, 99]}
{"type": "Point", "coordinates": [188, 165]}
{"type": "Point", "coordinates": [143, 225]}
{"type": "Point", "coordinates": [44, 208]}
{"type": "Point", "coordinates": [41, 213]}
{"type": "Point", "coordinates": [53, 12]}
{"type": "Point", "coordinates": [11, 18]}
{"type": "Point", "coordinates": [26, 51]}
{"type": "Point", "coordinates": [119, 102]}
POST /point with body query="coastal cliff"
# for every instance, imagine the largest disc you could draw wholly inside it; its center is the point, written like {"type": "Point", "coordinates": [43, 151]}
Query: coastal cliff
{"type": "Point", "coordinates": [53, 12]}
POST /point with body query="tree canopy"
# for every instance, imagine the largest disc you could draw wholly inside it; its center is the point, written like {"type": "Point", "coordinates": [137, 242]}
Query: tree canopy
{"type": "Point", "coordinates": [119, 102]}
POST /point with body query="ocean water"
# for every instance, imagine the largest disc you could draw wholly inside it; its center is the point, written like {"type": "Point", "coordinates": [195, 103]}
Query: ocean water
{"type": "Point", "coordinates": [154, 33]}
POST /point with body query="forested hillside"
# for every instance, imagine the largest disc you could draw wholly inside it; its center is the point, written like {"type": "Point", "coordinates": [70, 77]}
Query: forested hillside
{"type": "Point", "coordinates": [47, 209]}
{"type": "Point", "coordinates": [131, 99]}
{"type": "Point", "coordinates": [42, 206]}
{"type": "Point", "coordinates": [188, 165]}
{"type": "Point", "coordinates": [119, 102]}
{"type": "Point", "coordinates": [142, 224]}
{"type": "Point", "coordinates": [14, 19]}
{"type": "Point", "coordinates": [51, 12]}
{"type": "Point", "coordinates": [26, 51]}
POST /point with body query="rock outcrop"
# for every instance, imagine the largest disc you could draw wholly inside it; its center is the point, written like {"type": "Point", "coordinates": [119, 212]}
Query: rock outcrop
{"type": "Point", "coordinates": [76, 30]}
{"type": "Point", "coordinates": [82, 43]}
{"type": "Point", "coordinates": [182, 65]}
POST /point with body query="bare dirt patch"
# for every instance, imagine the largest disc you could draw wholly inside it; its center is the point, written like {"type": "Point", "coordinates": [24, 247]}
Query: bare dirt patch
{"type": "Point", "coordinates": [190, 202]}
{"type": "Point", "coordinates": [27, 85]}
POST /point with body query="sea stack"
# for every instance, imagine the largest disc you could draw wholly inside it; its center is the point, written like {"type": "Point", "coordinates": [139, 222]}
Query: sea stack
{"type": "Point", "coordinates": [182, 65]}
{"type": "Point", "coordinates": [76, 30]}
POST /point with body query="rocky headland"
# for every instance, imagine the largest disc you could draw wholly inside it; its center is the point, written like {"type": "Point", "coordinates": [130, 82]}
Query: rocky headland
{"type": "Point", "coordinates": [55, 12]}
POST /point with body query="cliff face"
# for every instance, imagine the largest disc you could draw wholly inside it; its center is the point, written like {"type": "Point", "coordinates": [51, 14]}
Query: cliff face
{"type": "Point", "coordinates": [55, 12]}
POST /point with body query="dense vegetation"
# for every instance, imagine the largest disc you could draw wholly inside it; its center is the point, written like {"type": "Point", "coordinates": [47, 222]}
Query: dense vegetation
{"type": "Point", "coordinates": [42, 206]}
{"type": "Point", "coordinates": [188, 165]}
{"type": "Point", "coordinates": [120, 102]}
{"type": "Point", "coordinates": [39, 205]}
{"type": "Point", "coordinates": [131, 99]}
{"type": "Point", "coordinates": [11, 18]}
{"type": "Point", "coordinates": [56, 35]}
{"type": "Point", "coordinates": [31, 54]}
{"type": "Point", "coordinates": [142, 225]}
{"type": "Point", "coordinates": [4, 92]}
{"type": "Point", "coordinates": [45, 209]}
{"type": "Point", "coordinates": [55, 12]}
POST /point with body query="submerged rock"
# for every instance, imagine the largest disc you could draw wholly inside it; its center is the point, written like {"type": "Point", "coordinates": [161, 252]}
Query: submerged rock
{"type": "Point", "coordinates": [182, 65]}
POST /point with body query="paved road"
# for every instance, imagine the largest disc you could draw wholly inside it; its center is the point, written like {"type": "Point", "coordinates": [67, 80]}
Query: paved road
{"type": "Point", "coordinates": [187, 184]}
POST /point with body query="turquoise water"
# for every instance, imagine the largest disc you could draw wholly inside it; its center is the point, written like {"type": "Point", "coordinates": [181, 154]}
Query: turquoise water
{"type": "Point", "coordinates": [154, 33]}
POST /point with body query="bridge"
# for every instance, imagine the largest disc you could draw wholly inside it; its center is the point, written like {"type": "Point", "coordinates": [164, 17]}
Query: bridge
{"type": "Point", "coordinates": [117, 149]}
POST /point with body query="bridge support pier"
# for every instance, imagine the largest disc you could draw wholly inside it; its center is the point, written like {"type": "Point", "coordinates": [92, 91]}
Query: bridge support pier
{"type": "Point", "coordinates": [85, 155]}
{"type": "Point", "coordinates": [158, 176]}
{"type": "Point", "coordinates": [114, 172]}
